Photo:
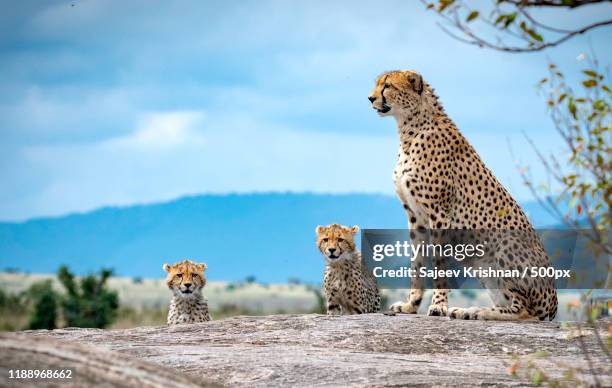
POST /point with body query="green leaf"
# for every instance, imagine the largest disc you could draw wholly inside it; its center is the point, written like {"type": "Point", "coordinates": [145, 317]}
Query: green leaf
{"type": "Point", "coordinates": [590, 73]}
{"type": "Point", "coordinates": [473, 15]}
{"type": "Point", "coordinates": [532, 33]}
{"type": "Point", "coordinates": [594, 313]}
{"type": "Point", "coordinates": [444, 4]}
{"type": "Point", "coordinates": [535, 36]}
{"type": "Point", "coordinates": [537, 377]}
{"type": "Point", "coordinates": [599, 105]}
{"type": "Point", "coordinates": [572, 107]}
{"type": "Point", "coordinates": [510, 19]}
{"type": "Point", "coordinates": [589, 83]}
{"type": "Point", "coordinates": [562, 97]}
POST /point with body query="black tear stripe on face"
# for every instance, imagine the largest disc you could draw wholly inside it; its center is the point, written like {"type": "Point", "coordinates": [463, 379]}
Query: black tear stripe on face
{"type": "Point", "coordinates": [420, 90]}
{"type": "Point", "coordinates": [382, 92]}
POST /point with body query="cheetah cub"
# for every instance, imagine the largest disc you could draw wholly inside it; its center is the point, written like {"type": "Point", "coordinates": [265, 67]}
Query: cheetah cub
{"type": "Point", "coordinates": [349, 287]}
{"type": "Point", "coordinates": [186, 280]}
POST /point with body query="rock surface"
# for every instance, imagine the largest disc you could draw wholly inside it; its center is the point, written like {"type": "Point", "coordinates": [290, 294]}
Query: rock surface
{"type": "Point", "coordinates": [317, 350]}
{"type": "Point", "coordinates": [61, 363]}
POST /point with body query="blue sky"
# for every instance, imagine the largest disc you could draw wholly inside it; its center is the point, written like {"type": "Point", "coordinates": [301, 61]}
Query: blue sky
{"type": "Point", "coordinates": [114, 103]}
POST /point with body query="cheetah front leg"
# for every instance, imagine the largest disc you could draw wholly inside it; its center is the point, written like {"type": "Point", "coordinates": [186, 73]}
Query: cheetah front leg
{"type": "Point", "coordinates": [439, 299]}
{"type": "Point", "coordinates": [333, 304]}
{"type": "Point", "coordinates": [334, 309]}
{"type": "Point", "coordinates": [417, 289]}
{"type": "Point", "coordinates": [417, 284]}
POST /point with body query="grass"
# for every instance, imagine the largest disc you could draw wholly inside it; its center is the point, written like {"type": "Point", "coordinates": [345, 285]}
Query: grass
{"type": "Point", "coordinates": [144, 302]}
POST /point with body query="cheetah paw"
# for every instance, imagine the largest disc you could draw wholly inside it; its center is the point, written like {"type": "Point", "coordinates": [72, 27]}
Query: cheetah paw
{"type": "Point", "coordinates": [401, 307]}
{"type": "Point", "coordinates": [461, 313]}
{"type": "Point", "coordinates": [437, 310]}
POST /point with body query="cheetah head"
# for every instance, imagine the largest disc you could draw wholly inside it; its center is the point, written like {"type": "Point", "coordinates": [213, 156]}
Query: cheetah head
{"type": "Point", "coordinates": [397, 93]}
{"type": "Point", "coordinates": [336, 242]}
{"type": "Point", "coordinates": [185, 278]}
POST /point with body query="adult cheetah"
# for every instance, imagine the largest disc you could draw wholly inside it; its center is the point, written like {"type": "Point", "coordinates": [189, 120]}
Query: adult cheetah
{"type": "Point", "coordinates": [443, 184]}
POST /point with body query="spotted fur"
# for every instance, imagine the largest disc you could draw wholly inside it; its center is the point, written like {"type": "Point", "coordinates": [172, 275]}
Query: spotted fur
{"type": "Point", "coordinates": [186, 280]}
{"type": "Point", "coordinates": [443, 184]}
{"type": "Point", "coordinates": [349, 287]}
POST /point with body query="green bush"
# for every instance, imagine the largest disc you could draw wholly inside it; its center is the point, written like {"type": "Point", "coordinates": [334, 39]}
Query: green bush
{"type": "Point", "coordinates": [88, 303]}
{"type": "Point", "coordinates": [321, 306]}
{"type": "Point", "coordinates": [44, 300]}
{"type": "Point", "coordinates": [14, 311]}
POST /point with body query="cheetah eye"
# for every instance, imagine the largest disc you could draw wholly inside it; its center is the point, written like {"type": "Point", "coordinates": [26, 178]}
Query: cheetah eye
{"type": "Point", "coordinates": [340, 240]}
{"type": "Point", "coordinates": [179, 275]}
{"type": "Point", "coordinates": [193, 275]}
{"type": "Point", "coordinates": [325, 239]}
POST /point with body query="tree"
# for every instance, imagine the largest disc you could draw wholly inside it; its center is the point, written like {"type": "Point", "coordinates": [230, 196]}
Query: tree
{"type": "Point", "coordinates": [582, 194]}
{"type": "Point", "coordinates": [44, 298]}
{"type": "Point", "coordinates": [321, 306]}
{"type": "Point", "coordinates": [250, 279]}
{"type": "Point", "coordinates": [512, 21]}
{"type": "Point", "coordinates": [582, 117]}
{"type": "Point", "coordinates": [88, 303]}
{"type": "Point", "coordinates": [14, 310]}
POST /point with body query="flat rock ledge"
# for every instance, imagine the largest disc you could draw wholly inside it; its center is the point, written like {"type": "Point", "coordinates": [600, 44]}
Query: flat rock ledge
{"type": "Point", "coordinates": [308, 350]}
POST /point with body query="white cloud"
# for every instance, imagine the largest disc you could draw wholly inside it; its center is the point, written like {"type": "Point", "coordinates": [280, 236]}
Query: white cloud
{"type": "Point", "coordinates": [178, 153]}
{"type": "Point", "coordinates": [162, 130]}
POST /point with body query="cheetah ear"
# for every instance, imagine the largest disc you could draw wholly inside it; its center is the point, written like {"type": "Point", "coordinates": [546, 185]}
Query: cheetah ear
{"type": "Point", "coordinates": [166, 267]}
{"type": "Point", "coordinates": [417, 83]}
{"type": "Point", "coordinates": [320, 229]}
{"type": "Point", "coordinates": [202, 266]}
{"type": "Point", "coordinates": [355, 229]}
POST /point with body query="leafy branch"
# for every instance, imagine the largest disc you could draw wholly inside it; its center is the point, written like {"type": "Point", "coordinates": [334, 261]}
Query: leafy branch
{"type": "Point", "coordinates": [509, 19]}
{"type": "Point", "coordinates": [584, 121]}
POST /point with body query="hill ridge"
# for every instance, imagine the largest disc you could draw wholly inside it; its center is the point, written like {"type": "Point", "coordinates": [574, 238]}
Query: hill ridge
{"type": "Point", "coordinates": [266, 235]}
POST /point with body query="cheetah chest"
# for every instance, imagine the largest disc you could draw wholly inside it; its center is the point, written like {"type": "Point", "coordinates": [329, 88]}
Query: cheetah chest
{"type": "Point", "coordinates": [344, 284]}
{"type": "Point", "coordinates": [401, 177]}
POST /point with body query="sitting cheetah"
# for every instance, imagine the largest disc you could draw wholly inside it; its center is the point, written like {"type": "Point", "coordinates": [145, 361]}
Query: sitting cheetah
{"type": "Point", "coordinates": [349, 287]}
{"type": "Point", "coordinates": [186, 280]}
{"type": "Point", "coordinates": [443, 184]}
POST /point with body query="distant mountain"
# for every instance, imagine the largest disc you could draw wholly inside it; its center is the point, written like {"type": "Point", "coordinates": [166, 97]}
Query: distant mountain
{"type": "Point", "coordinates": [269, 236]}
